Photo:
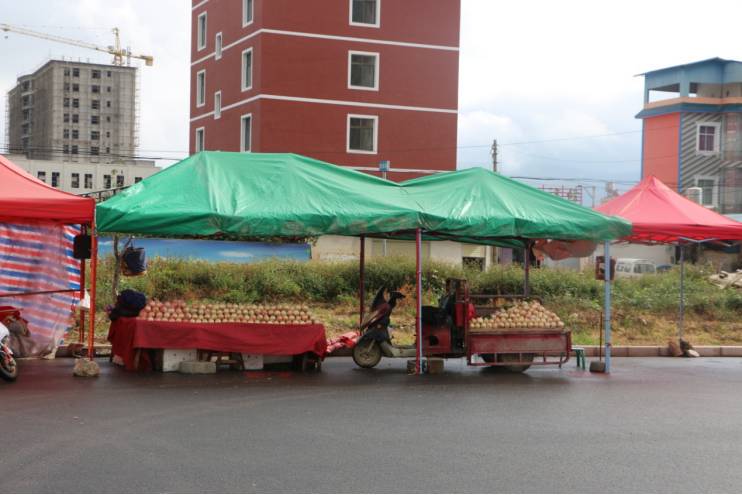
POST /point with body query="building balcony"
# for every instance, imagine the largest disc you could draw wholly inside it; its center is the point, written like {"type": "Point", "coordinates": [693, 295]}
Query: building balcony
{"type": "Point", "coordinates": [694, 100]}
{"type": "Point", "coordinates": [691, 104]}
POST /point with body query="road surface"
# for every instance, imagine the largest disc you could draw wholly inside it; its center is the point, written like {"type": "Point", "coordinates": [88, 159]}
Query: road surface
{"type": "Point", "coordinates": [662, 424]}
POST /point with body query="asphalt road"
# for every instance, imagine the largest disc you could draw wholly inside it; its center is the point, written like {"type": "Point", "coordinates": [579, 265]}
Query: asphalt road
{"type": "Point", "coordinates": [663, 424]}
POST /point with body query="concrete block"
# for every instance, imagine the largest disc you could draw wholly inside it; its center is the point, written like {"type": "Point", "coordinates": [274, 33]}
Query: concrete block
{"type": "Point", "coordinates": [197, 367]}
{"type": "Point", "coordinates": [643, 351]}
{"type": "Point", "coordinates": [171, 358]}
{"type": "Point", "coordinates": [252, 362]}
{"type": "Point", "coordinates": [708, 350]}
{"type": "Point", "coordinates": [85, 367]}
{"type": "Point", "coordinates": [731, 350]}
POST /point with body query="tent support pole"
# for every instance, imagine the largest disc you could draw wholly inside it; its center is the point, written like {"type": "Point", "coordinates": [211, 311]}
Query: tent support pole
{"type": "Point", "coordinates": [93, 275]}
{"type": "Point", "coordinates": [527, 270]}
{"type": "Point", "coordinates": [607, 304]}
{"type": "Point", "coordinates": [81, 334]}
{"type": "Point", "coordinates": [681, 310]}
{"type": "Point", "coordinates": [362, 279]}
{"type": "Point", "coordinates": [418, 302]}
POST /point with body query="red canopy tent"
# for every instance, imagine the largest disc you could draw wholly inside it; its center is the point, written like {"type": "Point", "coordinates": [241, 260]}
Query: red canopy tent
{"type": "Point", "coordinates": [24, 198]}
{"type": "Point", "coordinates": [660, 215]}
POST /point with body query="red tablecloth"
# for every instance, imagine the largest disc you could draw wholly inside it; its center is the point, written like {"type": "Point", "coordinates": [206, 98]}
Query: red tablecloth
{"type": "Point", "coordinates": [129, 334]}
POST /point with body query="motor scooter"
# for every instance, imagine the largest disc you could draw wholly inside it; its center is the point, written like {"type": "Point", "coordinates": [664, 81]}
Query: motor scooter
{"type": "Point", "coordinates": [8, 366]}
{"type": "Point", "coordinates": [375, 341]}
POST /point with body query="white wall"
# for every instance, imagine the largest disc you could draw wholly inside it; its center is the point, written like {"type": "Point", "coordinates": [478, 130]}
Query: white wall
{"type": "Point", "coordinates": [340, 248]}
{"type": "Point", "coordinates": [660, 255]}
{"type": "Point", "coordinates": [130, 171]}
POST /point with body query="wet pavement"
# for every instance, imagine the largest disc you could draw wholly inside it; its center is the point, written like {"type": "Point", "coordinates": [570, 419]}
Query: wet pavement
{"type": "Point", "coordinates": [660, 424]}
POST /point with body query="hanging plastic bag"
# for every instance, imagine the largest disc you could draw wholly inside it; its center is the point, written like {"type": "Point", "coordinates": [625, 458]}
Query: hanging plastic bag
{"type": "Point", "coordinates": [133, 260]}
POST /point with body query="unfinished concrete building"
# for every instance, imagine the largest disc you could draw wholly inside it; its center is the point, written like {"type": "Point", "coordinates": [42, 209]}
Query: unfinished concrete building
{"type": "Point", "coordinates": [75, 113]}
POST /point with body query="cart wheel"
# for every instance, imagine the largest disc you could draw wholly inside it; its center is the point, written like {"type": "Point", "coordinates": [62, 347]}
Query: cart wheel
{"type": "Point", "coordinates": [509, 358]}
{"type": "Point", "coordinates": [367, 354]}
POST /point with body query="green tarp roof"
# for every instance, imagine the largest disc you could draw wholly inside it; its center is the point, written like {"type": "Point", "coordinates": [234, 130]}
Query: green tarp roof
{"type": "Point", "coordinates": [260, 195]}
{"type": "Point", "coordinates": [460, 203]}
{"type": "Point", "coordinates": [253, 195]}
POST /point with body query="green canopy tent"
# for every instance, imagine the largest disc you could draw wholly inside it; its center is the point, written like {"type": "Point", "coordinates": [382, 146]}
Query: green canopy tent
{"type": "Point", "coordinates": [259, 195]}
{"type": "Point", "coordinates": [460, 202]}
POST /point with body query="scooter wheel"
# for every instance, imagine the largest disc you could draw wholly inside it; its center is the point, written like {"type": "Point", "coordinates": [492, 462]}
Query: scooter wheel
{"type": "Point", "coordinates": [9, 370]}
{"type": "Point", "coordinates": [367, 354]}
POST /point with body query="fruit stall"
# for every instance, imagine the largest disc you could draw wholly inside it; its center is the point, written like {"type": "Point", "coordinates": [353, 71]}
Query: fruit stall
{"type": "Point", "coordinates": [237, 196]}
{"type": "Point", "coordinates": [242, 336]}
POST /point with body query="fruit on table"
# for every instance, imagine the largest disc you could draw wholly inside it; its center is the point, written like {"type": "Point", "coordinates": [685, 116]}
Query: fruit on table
{"type": "Point", "coordinates": [526, 314]}
{"type": "Point", "coordinates": [179, 311]}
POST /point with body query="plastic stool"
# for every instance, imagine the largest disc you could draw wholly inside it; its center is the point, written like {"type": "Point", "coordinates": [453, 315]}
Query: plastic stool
{"type": "Point", "coordinates": [580, 356]}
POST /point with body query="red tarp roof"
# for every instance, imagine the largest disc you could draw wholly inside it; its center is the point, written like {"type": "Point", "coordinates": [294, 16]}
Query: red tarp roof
{"type": "Point", "coordinates": [659, 214]}
{"type": "Point", "coordinates": [23, 197]}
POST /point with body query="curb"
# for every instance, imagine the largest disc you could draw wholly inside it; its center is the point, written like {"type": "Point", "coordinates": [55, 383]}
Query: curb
{"type": "Point", "coordinates": [632, 351]}
{"type": "Point", "coordinates": [662, 351]}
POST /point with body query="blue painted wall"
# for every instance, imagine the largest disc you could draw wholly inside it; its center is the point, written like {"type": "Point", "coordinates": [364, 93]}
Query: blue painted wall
{"type": "Point", "coordinates": [214, 251]}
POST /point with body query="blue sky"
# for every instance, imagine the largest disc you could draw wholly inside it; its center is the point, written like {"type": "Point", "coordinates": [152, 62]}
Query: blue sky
{"type": "Point", "coordinates": [551, 74]}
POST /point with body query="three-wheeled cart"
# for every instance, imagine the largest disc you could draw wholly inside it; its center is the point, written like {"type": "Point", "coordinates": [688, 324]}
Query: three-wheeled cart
{"type": "Point", "coordinates": [447, 332]}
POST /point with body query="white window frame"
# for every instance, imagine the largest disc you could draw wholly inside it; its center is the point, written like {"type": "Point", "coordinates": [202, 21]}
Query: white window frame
{"type": "Point", "coordinates": [200, 90]}
{"type": "Point", "coordinates": [202, 131]}
{"type": "Point", "coordinates": [717, 138]}
{"type": "Point", "coordinates": [218, 105]}
{"type": "Point", "coordinates": [242, 133]}
{"type": "Point", "coordinates": [243, 83]}
{"type": "Point", "coordinates": [201, 36]}
{"type": "Point", "coordinates": [218, 45]}
{"type": "Point", "coordinates": [375, 118]}
{"type": "Point", "coordinates": [376, 69]}
{"type": "Point", "coordinates": [714, 190]}
{"type": "Point", "coordinates": [363, 24]}
{"type": "Point", "coordinates": [245, 22]}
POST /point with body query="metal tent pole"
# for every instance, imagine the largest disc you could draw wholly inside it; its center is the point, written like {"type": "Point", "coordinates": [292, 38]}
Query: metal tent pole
{"type": "Point", "coordinates": [418, 303]}
{"type": "Point", "coordinates": [81, 335]}
{"type": "Point", "coordinates": [607, 304]}
{"type": "Point", "coordinates": [681, 311]}
{"type": "Point", "coordinates": [93, 274]}
{"type": "Point", "coordinates": [362, 279]}
{"type": "Point", "coordinates": [527, 270]}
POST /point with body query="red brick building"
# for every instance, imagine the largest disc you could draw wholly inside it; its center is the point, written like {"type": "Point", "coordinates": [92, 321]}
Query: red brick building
{"type": "Point", "coordinates": [352, 82]}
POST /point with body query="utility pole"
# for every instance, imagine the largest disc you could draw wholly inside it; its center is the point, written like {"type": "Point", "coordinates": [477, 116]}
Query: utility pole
{"type": "Point", "coordinates": [493, 152]}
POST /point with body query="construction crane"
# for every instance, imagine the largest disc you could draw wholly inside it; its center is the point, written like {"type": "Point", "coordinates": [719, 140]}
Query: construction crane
{"type": "Point", "coordinates": [119, 53]}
